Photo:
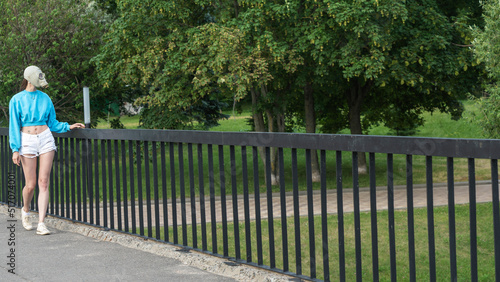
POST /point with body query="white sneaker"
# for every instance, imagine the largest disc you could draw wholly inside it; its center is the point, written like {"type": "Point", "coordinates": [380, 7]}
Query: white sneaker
{"type": "Point", "coordinates": [42, 229]}
{"type": "Point", "coordinates": [25, 217]}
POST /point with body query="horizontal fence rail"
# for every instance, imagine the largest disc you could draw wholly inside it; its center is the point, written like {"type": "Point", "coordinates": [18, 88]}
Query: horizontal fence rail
{"type": "Point", "coordinates": [299, 204]}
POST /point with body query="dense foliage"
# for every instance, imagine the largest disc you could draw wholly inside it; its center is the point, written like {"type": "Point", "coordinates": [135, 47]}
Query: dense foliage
{"type": "Point", "coordinates": [357, 57]}
{"type": "Point", "coordinates": [58, 36]}
{"type": "Point", "coordinates": [339, 64]}
{"type": "Point", "coordinates": [487, 50]}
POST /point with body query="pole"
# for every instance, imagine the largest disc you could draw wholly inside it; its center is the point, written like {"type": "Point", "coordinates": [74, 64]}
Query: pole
{"type": "Point", "coordinates": [86, 106]}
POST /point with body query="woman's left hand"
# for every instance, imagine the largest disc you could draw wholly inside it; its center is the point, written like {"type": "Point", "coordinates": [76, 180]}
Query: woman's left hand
{"type": "Point", "coordinates": [76, 125]}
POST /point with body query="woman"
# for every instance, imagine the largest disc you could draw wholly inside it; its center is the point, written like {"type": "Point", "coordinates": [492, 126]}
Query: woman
{"type": "Point", "coordinates": [32, 121]}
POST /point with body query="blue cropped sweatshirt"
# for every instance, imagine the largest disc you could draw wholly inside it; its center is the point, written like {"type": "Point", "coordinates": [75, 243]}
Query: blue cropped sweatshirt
{"type": "Point", "coordinates": [31, 108]}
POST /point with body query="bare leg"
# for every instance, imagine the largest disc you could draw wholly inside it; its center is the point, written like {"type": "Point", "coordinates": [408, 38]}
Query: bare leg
{"type": "Point", "coordinates": [43, 183]}
{"type": "Point", "coordinates": [29, 169]}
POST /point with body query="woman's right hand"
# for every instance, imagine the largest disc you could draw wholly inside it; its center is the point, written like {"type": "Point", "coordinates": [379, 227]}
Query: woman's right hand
{"type": "Point", "coordinates": [16, 158]}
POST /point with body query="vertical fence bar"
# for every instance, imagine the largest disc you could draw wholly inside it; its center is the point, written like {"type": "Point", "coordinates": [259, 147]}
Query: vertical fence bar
{"type": "Point", "coordinates": [9, 170]}
{"type": "Point", "coordinates": [132, 188]}
{"type": "Point", "coordinates": [60, 177]}
{"type": "Point", "coordinates": [124, 176]}
{"type": "Point", "coordinates": [182, 188]}
{"type": "Point", "coordinates": [156, 192]}
{"type": "Point", "coordinates": [193, 196]}
{"type": "Point", "coordinates": [5, 149]}
{"type": "Point", "coordinates": [118, 186]}
{"type": "Point", "coordinates": [90, 182]}
{"type": "Point", "coordinates": [140, 202]}
{"type": "Point", "coordinates": [164, 191]}
{"type": "Point", "coordinates": [430, 219]}
{"type": "Point", "coordinates": [66, 178]}
{"type": "Point", "coordinates": [310, 215]}
{"type": "Point", "coordinates": [3, 162]}
{"type": "Point", "coordinates": [410, 216]}
{"type": "Point", "coordinates": [284, 233]}
{"type": "Point", "coordinates": [496, 215]}
{"type": "Point", "coordinates": [211, 183]}
{"type": "Point", "coordinates": [324, 217]}
{"type": "Point", "coordinates": [340, 215]}
{"type": "Point", "coordinates": [84, 179]}
{"type": "Point", "coordinates": [246, 202]}
{"type": "Point", "coordinates": [234, 193]}
{"type": "Point", "coordinates": [55, 199]}
{"type": "Point", "coordinates": [96, 184]}
{"type": "Point", "coordinates": [473, 220]}
{"type": "Point", "coordinates": [78, 179]}
{"type": "Point", "coordinates": [6, 168]}
{"type": "Point", "coordinates": [110, 183]}
{"type": "Point", "coordinates": [390, 204]}
{"type": "Point", "coordinates": [104, 188]}
{"type": "Point", "coordinates": [5, 156]}
{"type": "Point", "coordinates": [256, 187]}
{"type": "Point", "coordinates": [223, 200]}
{"type": "Point", "coordinates": [63, 186]}
{"type": "Point", "coordinates": [373, 215]}
{"type": "Point", "coordinates": [148, 189]}
{"type": "Point", "coordinates": [201, 188]}
{"type": "Point", "coordinates": [12, 170]}
{"type": "Point", "coordinates": [173, 192]}
{"type": "Point", "coordinates": [3, 165]}
{"type": "Point", "coordinates": [357, 218]}
{"type": "Point", "coordinates": [73, 180]}
{"type": "Point", "coordinates": [296, 213]}
{"type": "Point", "coordinates": [270, 217]}
{"type": "Point", "coordinates": [451, 214]}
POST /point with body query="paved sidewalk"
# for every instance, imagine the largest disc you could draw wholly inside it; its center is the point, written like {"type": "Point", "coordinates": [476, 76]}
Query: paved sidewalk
{"type": "Point", "coordinates": [67, 256]}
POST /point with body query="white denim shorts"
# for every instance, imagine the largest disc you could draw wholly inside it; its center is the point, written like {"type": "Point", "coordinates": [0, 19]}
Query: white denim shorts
{"type": "Point", "coordinates": [33, 145]}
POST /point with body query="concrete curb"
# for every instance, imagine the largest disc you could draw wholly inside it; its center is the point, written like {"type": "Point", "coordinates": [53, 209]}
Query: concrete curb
{"type": "Point", "coordinates": [216, 265]}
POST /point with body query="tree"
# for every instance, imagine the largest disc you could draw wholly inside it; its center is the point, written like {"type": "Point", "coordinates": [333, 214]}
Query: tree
{"type": "Point", "coordinates": [487, 51]}
{"type": "Point", "coordinates": [58, 36]}
{"type": "Point", "coordinates": [406, 56]}
{"type": "Point", "coordinates": [348, 60]}
{"type": "Point", "coordinates": [185, 56]}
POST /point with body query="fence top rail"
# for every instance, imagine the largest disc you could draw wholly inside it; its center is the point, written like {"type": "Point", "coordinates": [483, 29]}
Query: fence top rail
{"type": "Point", "coordinates": [443, 147]}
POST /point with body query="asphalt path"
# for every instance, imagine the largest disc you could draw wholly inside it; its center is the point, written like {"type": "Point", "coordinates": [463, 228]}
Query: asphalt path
{"type": "Point", "coordinates": [67, 256]}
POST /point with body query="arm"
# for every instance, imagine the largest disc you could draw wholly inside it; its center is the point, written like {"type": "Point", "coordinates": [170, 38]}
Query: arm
{"type": "Point", "coordinates": [53, 123]}
{"type": "Point", "coordinates": [14, 127]}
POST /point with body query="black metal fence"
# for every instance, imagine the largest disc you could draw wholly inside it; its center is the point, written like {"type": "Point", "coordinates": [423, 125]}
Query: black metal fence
{"type": "Point", "coordinates": [214, 192]}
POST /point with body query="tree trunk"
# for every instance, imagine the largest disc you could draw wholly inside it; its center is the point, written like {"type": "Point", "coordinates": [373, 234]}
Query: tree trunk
{"type": "Point", "coordinates": [260, 127]}
{"type": "Point", "coordinates": [310, 118]}
{"type": "Point", "coordinates": [258, 120]}
{"type": "Point", "coordinates": [355, 96]}
{"type": "Point", "coordinates": [272, 122]}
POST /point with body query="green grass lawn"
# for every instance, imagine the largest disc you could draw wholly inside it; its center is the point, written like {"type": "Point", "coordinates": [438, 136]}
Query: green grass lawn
{"type": "Point", "coordinates": [437, 124]}
{"type": "Point", "coordinates": [130, 122]}
{"type": "Point", "coordinates": [486, 268]}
